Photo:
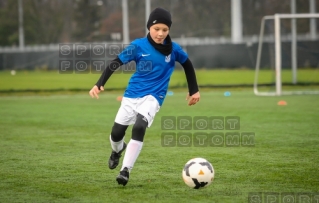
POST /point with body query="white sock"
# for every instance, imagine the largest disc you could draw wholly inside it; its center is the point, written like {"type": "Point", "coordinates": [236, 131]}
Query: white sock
{"type": "Point", "coordinates": [133, 149]}
{"type": "Point", "coordinates": [116, 146]}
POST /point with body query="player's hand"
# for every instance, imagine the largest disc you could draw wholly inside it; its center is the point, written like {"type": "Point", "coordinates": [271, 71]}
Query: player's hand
{"type": "Point", "coordinates": [192, 100]}
{"type": "Point", "coordinates": [94, 92]}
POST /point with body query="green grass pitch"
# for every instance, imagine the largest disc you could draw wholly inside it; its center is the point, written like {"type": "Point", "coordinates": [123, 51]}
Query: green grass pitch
{"type": "Point", "coordinates": [54, 148]}
{"type": "Point", "coordinates": [52, 80]}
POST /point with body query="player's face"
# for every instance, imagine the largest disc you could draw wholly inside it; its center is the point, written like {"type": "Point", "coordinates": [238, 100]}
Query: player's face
{"type": "Point", "coordinates": [159, 32]}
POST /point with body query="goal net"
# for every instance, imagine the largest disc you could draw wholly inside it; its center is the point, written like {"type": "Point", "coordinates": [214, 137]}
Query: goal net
{"type": "Point", "coordinates": [293, 58]}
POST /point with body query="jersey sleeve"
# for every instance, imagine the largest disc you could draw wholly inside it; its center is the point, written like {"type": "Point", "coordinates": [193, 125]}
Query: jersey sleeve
{"type": "Point", "coordinates": [129, 53]}
{"type": "Point", "coordinates": [180, 54]}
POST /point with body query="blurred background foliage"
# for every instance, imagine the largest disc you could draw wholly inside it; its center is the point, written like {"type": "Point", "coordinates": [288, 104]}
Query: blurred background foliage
{"type": "Point", "coordinates": [63, 21]}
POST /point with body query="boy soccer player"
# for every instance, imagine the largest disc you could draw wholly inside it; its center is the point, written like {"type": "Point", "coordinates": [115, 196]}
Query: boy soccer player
{"type": "Point", "coordinates": [155, 57]}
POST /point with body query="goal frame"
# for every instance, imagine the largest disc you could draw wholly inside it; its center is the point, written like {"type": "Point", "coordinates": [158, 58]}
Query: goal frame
{"type": "Point", "coordinates": [277, 36]}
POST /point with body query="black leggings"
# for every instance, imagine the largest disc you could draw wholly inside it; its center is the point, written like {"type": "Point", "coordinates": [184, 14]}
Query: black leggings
{"type": "Point", "coordinates": [138, 130]}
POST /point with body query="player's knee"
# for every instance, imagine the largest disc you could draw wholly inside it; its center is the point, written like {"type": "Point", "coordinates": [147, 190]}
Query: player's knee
{"type": "Point", "coordinates": [118, 132]}
{"type": "Point", "coordinates": [139, 128]}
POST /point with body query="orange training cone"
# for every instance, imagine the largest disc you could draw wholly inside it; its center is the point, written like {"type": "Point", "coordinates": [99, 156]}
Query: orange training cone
{"type": "Point", "coordinates": [282, 103]}
{"type": "Point", "coordinates": [119, 98]}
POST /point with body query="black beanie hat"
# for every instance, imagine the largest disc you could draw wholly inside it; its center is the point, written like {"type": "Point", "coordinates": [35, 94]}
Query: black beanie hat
{"type": "Point", "coordinates": [159, 15]}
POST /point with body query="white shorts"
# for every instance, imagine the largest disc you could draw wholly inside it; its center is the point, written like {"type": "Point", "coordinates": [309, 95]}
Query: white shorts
{"type": "Point", "coordinates": [147, 106]}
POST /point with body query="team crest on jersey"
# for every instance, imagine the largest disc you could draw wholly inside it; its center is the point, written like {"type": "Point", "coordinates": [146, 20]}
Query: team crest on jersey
{"type": "Point", "coordinates": [168, 58]}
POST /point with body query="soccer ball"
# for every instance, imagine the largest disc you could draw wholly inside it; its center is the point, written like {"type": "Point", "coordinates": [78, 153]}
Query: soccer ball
{"type": "Point", "coordinates": [198, 173]}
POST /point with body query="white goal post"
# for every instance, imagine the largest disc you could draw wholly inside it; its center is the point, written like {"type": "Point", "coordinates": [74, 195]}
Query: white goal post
{"type": "Point", "coordinates": [277, 36]}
